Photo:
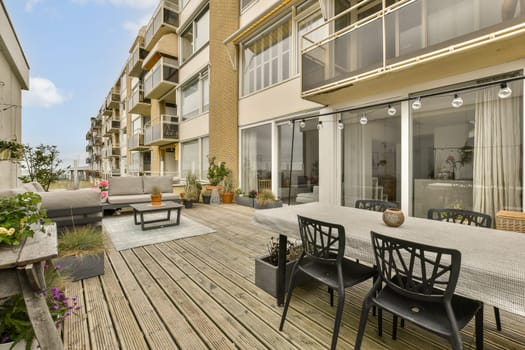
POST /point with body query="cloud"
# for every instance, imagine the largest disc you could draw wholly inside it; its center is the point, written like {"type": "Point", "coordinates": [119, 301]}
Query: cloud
{"type": "Point", "coordinates": [134, 26]}
{"type": "Point", "coordinates": [29, 5]}
{"type": "Point", "coordinates": [43, 93]}
{"type": "Point", "coordinates": [139, 4]}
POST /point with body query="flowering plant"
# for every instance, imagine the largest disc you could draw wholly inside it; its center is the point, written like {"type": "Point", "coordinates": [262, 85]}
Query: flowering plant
{"type": "Point", "coordinates": [103, 185]}
{"type": "Point", "coordinates": [20, 217]}
{"type": "Point", "coordinates": [16, 325]}
{"type": "Point", "coordinates": [252, 194]}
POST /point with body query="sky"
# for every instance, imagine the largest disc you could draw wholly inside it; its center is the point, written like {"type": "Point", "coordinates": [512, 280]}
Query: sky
{"type": "Point", "coordinates": [76, 50]}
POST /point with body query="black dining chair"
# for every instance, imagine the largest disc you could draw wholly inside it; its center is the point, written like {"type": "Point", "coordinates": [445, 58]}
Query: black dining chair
{"type": "Point", "coordinates": [323, 260]}
{"type": "Point", "coordinates": [465, 217]}
{"type": "Point", "coordinates": [375, 205]}
{"type": "Point", "coordinates": [417, 282]}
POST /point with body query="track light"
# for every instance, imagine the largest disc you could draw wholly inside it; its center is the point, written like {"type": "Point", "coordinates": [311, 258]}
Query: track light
{"type": "Point", "coordinates": [457, 101]}
{"type": "Point", "coordinates": [504, 91]}
{"type": "Point", "coordinates": [363, 120]}
{"type": "Point", "coordinates": [319, 125]}
{"type": "Point", "coordinates": [340, 125]}
{"type": "Point", "coordinates": [391, 110]}
{"type": "Point", "coordinates": [416, 104]}
{"type": "Point", "coordinates": [302, 124]}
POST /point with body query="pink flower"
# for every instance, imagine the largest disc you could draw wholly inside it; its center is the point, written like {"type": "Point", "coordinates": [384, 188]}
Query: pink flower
{"type": "Point", "coordinates": [103, 185]}
{"type": "Point", "coordinates": [103, 194]}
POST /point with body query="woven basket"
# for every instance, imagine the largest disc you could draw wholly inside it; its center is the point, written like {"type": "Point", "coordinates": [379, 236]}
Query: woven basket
{"type": "Point", "coordinates": [510, 221]}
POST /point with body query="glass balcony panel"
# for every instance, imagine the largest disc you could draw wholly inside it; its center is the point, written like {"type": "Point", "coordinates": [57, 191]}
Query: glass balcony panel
{"type": "Point", "coordinates": [162, 17]}
{"type": "Point", "coordinates": [161, 78]}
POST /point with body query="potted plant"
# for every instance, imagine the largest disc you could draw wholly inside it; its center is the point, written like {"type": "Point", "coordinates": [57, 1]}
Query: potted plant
{"type": "Point", "coordinates": [266, 274]}
{"type": "Point", "coordinates": [20, 216]}
{"type": "Point", "coordinates": [15, 326]}
{"type": "Point", "coordinates": [81, 252]}
{"type": "Point", "coordinates": [266, 199]}
{"type": "Point", "coordinates": [216, 172]}
{"type": "Point", "coordinates": [206, 196]}
{"type": "Point", "coordinates": [228, 184]}
{"type": "Point", "coordinates": [10, 150]}
{"type": "Point", "coordinates": [156, 195]}
{"type": "Point", "coordinates": [191, 190]}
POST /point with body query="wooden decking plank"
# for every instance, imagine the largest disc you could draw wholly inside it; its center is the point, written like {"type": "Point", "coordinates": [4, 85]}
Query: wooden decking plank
{"type": "Point", "coordinates": [126, 327]}
{"type": "Point", "coordinates": [152, 326]}
{"type": "Point", "coordinates": [175, 322]}
{"type": "Point", "coordinates": [243, 291]}
{"type": "Point", "coordinates": [230, 326]}
{"type": "Point", "coordinates": [100, 325]}
{"type": "Point", "coordinates": [76, 328]}
{"type": "Point", "coordinates": [201, 324]}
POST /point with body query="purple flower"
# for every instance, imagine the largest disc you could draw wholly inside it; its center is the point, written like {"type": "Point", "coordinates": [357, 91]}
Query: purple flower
{"type": "Point", "coordinates": [58, 267]}
{"type": "Point", "coordinates": [55, 307]}
{"type": "Point", "coordinates": [46, 266]}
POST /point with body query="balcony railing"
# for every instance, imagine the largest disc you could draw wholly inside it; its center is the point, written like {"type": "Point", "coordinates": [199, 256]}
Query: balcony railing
{"type": "Point", "coordinates": [112, 100]}
{"type": "Point", "coordinates": [138, 103]}
{"type": "Point", "coordinates": [136, 142]}
{"type": "Point", "coordinates": [89, 148]}
{"type": "Point", "coordinates": [161, 78]}
{"type": "Point", "coordinates": [165, 18]}
{"type": "Point", "coordinates": [112, 126]}
{"type": "Point", "coordinates": [135, 61]}
{"type": "Point", "coordinates": [394, 37]}
{"type": "Point", "coordinates": [165, 132]}
{"type": "Point", "coordinates": [88, 160]}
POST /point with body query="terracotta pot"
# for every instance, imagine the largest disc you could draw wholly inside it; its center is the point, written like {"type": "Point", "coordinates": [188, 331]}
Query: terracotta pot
{"type": "Point", "coordinates": [156, 199]}
{"type": "Point", "coordinates": [227, 197]}
{"type": "Point", "coordinates": [393, 217]}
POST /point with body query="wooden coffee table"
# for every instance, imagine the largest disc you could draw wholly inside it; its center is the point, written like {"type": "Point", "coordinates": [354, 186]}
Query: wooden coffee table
{"type": "Point", "coordinates": [144, 208]}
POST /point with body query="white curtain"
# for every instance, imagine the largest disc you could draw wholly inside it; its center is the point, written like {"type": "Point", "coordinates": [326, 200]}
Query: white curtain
{"type": "Point", "coordinates": [249, 159]}
{"type": "Point", "coordinates": [357, 164]}
{"type": "Point", "coordinates": [497, 152]}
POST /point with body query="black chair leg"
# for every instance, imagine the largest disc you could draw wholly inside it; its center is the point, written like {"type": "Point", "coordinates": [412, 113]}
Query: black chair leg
{"type": "Point", "coordinates": [362, 325]}
{"type": "Point", "coordinates": [338, 317]}
{"type": "Point", "coordinates": [291, 287]}
{"type": "Point", "coordinates": [380, 322]}
{"type": "Point", "coordinates": [498, 319]}
{"type": "Point", "coordinates": [331, 291]}
{"type": "Point", "coordinates": [479, 328]}
{"type": "Point", "coordinates": [394, 327]}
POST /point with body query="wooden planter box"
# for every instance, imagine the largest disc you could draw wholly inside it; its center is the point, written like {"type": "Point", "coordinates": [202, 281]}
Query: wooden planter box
{"type": "Point", "coordinates": [268, 205]}
{"type": "Point", "coordinates": [246, 201]}
{"type": "Point", "coordinates": [266, 275]}
{"type": "Point", "coordinates": [82, 267]}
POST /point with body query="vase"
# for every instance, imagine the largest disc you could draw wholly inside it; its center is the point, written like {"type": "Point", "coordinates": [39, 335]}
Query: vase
{"type": "Point", "coordinates": [393, 217]}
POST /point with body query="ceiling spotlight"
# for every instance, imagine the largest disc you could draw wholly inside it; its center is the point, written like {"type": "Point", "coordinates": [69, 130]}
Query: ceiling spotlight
{"type": "Point", "coordinates": [457, 101]}
{"type": "Point", "coordinates": [391, 110]}
{"type": "Point", "coordinates": [504, 91]}
{"type": "Point", "coordinates": [302, 124]}
{"type": "Point", "coordinates": [319, 125]}
{"type": "Point", "coordinates": [340, 125]}
{"type": "Point", "coordinates": [416, 104]}
{"type": "Point", "coordinates": [363, 120]}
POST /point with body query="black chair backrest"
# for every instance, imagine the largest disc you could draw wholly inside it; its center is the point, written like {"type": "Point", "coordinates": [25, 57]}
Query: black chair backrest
{"type": "Point", "coordinates": [416, 270]}
{"type": "Point", "coordinates": [322, 241]}
{"type": "Point", "coordinates": [374, 204]}
{"type": "Point", "coordinates": [460, 216]}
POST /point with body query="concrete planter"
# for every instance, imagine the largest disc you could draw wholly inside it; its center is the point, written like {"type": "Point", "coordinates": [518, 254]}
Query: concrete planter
{"type": "Point", "coordinates": [246, 201]}
{"type": "Point", "coordinates": [82, 267]}
{"type": "Point", "coordinates": [268, 205]}
{"type": "Point", "coordinates": [266, 275]}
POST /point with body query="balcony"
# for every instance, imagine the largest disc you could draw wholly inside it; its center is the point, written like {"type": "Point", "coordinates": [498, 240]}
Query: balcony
{"type": "Point", "coordinates": [111, 152]}
{"type": "Point", "coordinates": [89, 148]}
{"type": "Point", "coordinates": [112, 100]}
{"type": "Point", "coordinates": [165, 132]}
{"type": "Point", "coordinates": [112, 126]}
{"type": "Point", "coordinates": [164, 20]}
{"type": "Point", "coordinates": [88, 160]}
{"type": "Point", "coordinates": [335, 55]}
{"type": "Point", "coordinates": [135, 61]}
{"type": "Point", "coordinates": [138, 103]}
{"type": "Point", "coordinates": [136, 142]}
{"type": "Point", "coordinates": [163, 77]}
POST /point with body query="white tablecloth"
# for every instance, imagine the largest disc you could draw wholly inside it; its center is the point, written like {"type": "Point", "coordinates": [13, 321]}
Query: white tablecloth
{"type": "Point", "coordinates": [492, 261]}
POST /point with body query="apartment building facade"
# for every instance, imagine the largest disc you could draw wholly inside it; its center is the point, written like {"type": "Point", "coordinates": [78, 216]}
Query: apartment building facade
{"type": "Point", "coordinates": [14, 77]}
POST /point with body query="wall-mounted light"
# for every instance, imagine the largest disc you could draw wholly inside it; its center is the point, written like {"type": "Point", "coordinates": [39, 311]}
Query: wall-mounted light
{"type": "Point", "coordinates": [340, 125]}
{"type": "Point", "coordinates": [363, 120]}
{"type": "Point", "coordinates": [416, 105]}
{"type": "Point", "coordinates": [302, 124]}
{"type": "Point", "coordinates": [504, 91]}
{"type": "Point", "coordinates": [391, 110]}
{"type": "Point", "coordinates": [457, 101]}
{"type": "Point", "coordinates": [319, 125]}
{"type": "Point", "coordinates": [290, 123]}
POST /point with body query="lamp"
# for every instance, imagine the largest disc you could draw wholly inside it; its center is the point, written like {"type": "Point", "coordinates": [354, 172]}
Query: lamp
{"type": "Point", "coordinates": [319, 125]}
{"type": "Point", "coordinates": [302, 124]}
{"type": "Point", "coordinates": [504, 91]}
{"type": "Point", "coordinates": [416, 104]}
{"type": "Point", "coordinates": [391, 110]}
{"type": "Point", "coordinates": [340, 125]}
{"type": "Point", "coordinates": [290, 123]}
{"type": "Point", "coordinates": [457, 101]}
{"type": "Point", "coordinates": [363, 120]}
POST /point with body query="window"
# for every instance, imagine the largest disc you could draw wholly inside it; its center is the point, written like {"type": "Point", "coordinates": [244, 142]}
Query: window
{"type": "Point", "coordinates": [195, 96]}
{"type": "Point", "coordinates": [196, 35]}
{"type": "Point", "coordinates": [205, 150]}
{"type": "Point", "coordinates": [245, 3]}
{"type": "Point", "coordinates": [266, 60]}
{"type": "Point", "coordinates": [190, 157]}
{"type": "Point", "coordinates": [256, 165]}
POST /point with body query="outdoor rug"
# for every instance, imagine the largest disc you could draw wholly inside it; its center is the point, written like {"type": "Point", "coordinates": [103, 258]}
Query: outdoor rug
{"type": "Point", "coordinates": [125, 234]}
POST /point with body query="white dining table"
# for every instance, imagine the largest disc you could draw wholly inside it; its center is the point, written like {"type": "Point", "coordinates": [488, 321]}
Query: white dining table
{"type": "Point", "coordinates": [492, 261]}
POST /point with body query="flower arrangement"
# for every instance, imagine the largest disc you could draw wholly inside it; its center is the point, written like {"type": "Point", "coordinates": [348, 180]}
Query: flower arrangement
{"type": "Point", "coordinates": [16, 325]}
{"type": "Point", "coordinates": [20, 216]}
{"type": "Point", "coordinates": [103, 186]}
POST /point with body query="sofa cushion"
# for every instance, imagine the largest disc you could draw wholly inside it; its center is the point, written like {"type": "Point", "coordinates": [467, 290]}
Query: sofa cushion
{"type": "Point", "coordinates": [164, 183]}
{"type": "Point", "coordinates": [70, 200]}
{"type": "Point", "coordinates": [129, 199]}
{"type": "Point", "coordinates": [120, 185]}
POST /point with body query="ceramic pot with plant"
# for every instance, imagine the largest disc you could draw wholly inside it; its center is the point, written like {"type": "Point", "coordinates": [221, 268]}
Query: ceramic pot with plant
{"type": "Point", "coordinates": [156, 196]}
{"type": "Point", "coordinates": [191, 189]}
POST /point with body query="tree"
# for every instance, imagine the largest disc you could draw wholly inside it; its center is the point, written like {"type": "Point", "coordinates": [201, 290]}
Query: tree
{"type": "Point", "coordinates": [42, 165]}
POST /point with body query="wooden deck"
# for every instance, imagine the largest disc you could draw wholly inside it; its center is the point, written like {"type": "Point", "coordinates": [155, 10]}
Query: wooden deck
{"type": "Point", "coordinates": [198, 293]}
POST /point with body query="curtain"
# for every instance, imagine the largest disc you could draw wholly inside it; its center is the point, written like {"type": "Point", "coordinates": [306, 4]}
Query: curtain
{"type": "Point", "coordinates": [357, 164]}
{"type": "Point", "coordinates": [497, 152]}
{"type": "Point", "coordinates": [249, 159]}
